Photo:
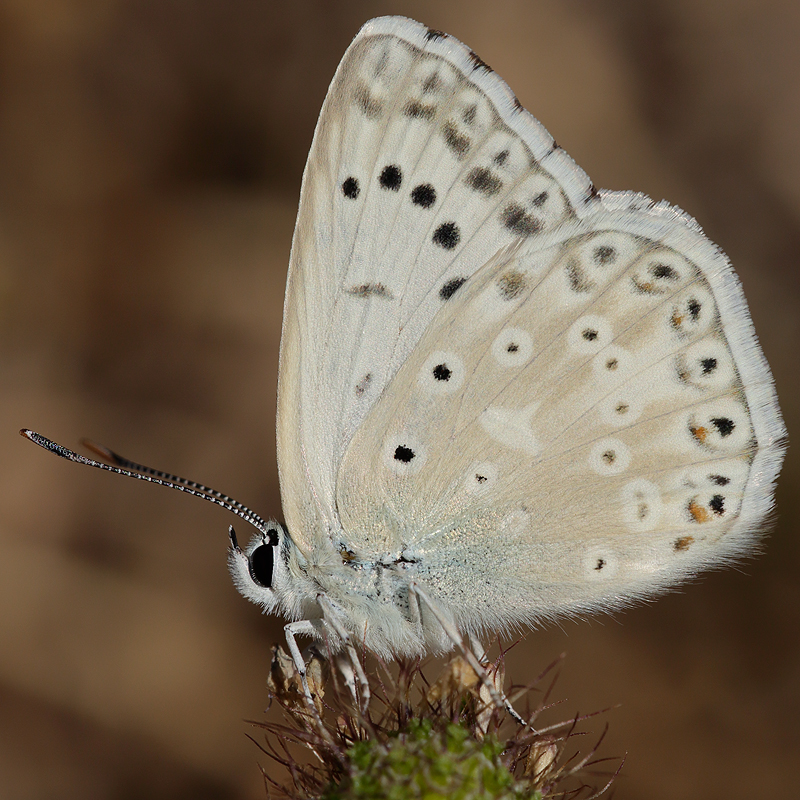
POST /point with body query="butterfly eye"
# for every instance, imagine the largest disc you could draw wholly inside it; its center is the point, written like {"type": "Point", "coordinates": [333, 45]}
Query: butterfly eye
{"type": "Point", "coordinates": [262, 564]}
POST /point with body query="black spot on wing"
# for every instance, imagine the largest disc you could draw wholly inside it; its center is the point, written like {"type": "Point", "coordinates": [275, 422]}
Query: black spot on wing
{"type": "Point", "coordinates": [483, 180]}
{"type": "Point", "coordinates": [451, 287]}
{"type": "Point", "coordinates": [417, 110]}
{"type": "Point", "coordinates": [519, 221]}
{"type": "Point", "coordinates": [664, 272]}
{"type": "Point", "coordinates": [604, 254]}
{"type": "Point", "coordinates": [708, 365]}
{"type": "Point", "coordinates": [724, 425]}
{"type": "Point", "coordinates": [423, 195]}
{"type": "Point", "coordinates": [441, 372]}
{"type": "Point", "coordinates": [447, 235]}
{"type": "Point", "coordinates": [350, 188]}
{"type": "Point", "coordinates": [404, 454]}
{"type": "Point", "coordinates": [391, 177]}
{"type": "Point", "coordinates": [609, 456]}
{"type": "Point", "coordinates": [692, 308]}
{"type": "Point", "coordinates": [458, 142]}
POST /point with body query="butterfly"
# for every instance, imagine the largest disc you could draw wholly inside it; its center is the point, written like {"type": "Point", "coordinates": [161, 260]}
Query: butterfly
{"type": "Point", "coordinates": [505, 396]}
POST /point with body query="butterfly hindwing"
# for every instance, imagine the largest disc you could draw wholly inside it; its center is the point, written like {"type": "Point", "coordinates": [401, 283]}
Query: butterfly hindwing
{"type": "Point", "coordinates": [575, 428]}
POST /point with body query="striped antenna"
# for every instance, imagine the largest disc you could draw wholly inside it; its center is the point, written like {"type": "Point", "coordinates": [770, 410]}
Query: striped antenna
{"type": "Point", "coordinates": [123, 466]}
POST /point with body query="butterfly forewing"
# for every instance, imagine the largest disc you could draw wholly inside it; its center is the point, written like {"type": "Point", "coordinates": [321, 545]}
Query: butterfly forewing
{"type": "Point", "coordinates": [422, 167]}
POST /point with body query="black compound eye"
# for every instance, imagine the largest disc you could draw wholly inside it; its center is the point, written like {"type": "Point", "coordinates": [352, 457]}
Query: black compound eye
{"type": "Point", "coordinates": [262, 565]}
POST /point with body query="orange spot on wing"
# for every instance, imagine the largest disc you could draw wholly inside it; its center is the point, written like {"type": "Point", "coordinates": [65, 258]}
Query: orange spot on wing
{"type": "Point", "coordinates": [699, 514]}
{"type": "Point", "coordinates": [699, 433]}
{"type": "Point", "coordinates": [683, 543]}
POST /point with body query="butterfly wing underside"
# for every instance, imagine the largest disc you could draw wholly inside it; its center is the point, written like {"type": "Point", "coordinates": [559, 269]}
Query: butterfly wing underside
{"type": "Point", "coordinates": [422, 166]}
{"type": "Point", "coordinates": [588, 422]}
{"type": "Point", "coordinates": [548, 398]}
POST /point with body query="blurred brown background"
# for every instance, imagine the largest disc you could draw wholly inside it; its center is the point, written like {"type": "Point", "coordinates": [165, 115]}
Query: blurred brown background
{"type": "Point", "coordinates": [150, 161]}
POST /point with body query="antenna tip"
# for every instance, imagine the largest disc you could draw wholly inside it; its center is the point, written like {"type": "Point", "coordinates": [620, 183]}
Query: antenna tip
{"type": "Point", "coordinates": [34, 437]}
{"type": "Point", "coordinates": [48, 444]}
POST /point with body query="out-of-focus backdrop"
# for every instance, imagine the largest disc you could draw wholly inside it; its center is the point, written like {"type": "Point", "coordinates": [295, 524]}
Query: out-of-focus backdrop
{"type": "Point", "coordinates": [150, 161]}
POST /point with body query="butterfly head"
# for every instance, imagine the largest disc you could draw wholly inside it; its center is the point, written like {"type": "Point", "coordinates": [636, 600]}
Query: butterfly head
{"type": "Point", "coordinates": [263, 570]}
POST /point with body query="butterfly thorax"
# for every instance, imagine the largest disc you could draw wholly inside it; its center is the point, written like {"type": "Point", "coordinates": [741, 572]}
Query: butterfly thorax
{"type": "Point", "coordinates": [376, 602]}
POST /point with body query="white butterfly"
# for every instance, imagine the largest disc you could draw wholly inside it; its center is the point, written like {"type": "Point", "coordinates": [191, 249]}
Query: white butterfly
{"type": "Point", "coordinates": [504, 396]}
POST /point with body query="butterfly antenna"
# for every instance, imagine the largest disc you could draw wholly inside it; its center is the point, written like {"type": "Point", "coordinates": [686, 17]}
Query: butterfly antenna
{"type": "Point", "coordinates": [120, 461]}
{"type": "Point", "coordinates": [123, 466]}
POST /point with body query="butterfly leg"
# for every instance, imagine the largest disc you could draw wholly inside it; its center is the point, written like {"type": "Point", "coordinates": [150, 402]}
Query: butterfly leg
{"type": "Point", "coordinates": [303, 627]}
{"type": "Point", "coordinates": [332, 618]}
{"type": "Point", "coordinates": [477, 648]}
{"type": "Point", "coordinates": [348, 673]}
{"type": "Point", "coordinates": [474, 654]}
{"type": "Point", "coordinates": [458, 641]}
{"type": "Point", "coordinates": [480, 653]}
